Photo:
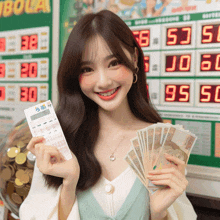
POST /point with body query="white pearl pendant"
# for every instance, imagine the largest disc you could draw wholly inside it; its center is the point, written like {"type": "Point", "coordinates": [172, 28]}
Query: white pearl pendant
{"type": "Point", "coordinates": [112, 157]}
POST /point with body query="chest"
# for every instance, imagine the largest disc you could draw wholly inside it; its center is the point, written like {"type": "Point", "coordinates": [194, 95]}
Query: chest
{"type": "Point", "coordinates": [137, 199]}
{"type": "Point", "coordinates": [110, 153]}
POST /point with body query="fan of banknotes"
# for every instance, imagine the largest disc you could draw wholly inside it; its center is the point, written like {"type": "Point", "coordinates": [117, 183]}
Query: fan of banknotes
{"type": "Point", "coordinates": [148, 148]}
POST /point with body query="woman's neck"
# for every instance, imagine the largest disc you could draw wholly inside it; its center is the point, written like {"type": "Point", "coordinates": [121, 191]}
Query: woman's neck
{"type": "Point", "coordinates": [120, 119]}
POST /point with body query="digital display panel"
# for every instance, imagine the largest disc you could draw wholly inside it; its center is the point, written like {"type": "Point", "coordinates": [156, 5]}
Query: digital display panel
{"type": "Point", "coordinates": [178, 36]}
{"type": "Point", "coordinates": [28, 70]}
{"type": "Point", "coordinates": [178, 63]}
{"type": "Point", "coordinates": [2, 70]}
{"type": "Point", "coordinates": [29, 42]}
{"type": "Point", "coordinates": [146, 63]}
{"type": "Point", "coordinates": [2, 93]}
{"type": "Point", "coordinates": [209, 94]}
{"type": "Point", "coordinates": [177, 93]}
{"type": "Point", "coordinates": [2, 44]}
{"type": "Point", "coordinates": [142, 37]}
{"type": "Point", "coordinates": [210, 62]}
{"type": "Point", "coordinates": [210, 34]}
{"type": "Point", "coordinates": [28, 94]}
{"type": "Point", "coordinates": [40, 114]}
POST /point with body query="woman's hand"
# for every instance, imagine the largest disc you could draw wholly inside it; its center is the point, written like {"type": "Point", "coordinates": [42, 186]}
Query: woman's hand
{"type": "Point", "coordinates": [175, 183]}
{"type": "Point", "coordinates": [51, 162]}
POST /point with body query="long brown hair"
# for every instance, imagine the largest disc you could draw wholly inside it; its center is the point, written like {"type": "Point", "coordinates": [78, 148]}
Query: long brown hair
{"type": "Point", "coordinates": [78, 115]}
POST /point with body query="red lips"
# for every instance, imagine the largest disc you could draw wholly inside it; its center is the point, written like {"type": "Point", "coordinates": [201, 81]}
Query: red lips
{"type": "Point", "coordinates": [110, 97]}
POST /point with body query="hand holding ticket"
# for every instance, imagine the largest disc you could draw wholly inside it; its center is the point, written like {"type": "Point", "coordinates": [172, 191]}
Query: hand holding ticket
{"type": "Point", "coordinates": [150, 145]}
{"type": "Point", "coordinates": [42, 121]}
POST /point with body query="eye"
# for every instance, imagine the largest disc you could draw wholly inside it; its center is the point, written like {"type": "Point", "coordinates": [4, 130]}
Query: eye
{"type": "Point", "coordinates": [114, 63]}
{"type": "Point", "coordinates": [86, 70]}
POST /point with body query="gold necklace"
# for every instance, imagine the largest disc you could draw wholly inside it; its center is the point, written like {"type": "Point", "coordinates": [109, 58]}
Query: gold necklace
{"type": "Point", "coordinates": [112, 157]}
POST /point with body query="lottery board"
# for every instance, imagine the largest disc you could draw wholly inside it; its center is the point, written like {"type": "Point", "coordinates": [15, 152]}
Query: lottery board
{"type": "Point", "coordinates": [182, 65]}
{"type": "Point", "coordinates": [26, 35]}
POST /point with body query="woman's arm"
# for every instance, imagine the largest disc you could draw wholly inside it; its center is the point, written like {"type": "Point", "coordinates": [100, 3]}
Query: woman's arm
{"type": "Point", "coordinates": [161, 216]}
{"type": "Point", "coordinates": [50, 161]}
{"type": "Point", "coordinates": [44, 199]}
{"type": "Point", "coordinates": [66, 201]}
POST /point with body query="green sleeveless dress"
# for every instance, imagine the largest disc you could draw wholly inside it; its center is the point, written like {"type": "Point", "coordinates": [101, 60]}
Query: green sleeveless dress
{"type": "Point", "coordinates": [135, 207]}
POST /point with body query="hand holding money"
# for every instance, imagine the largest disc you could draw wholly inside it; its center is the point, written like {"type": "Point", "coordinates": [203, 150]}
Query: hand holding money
{"type": "Point", "coordinates": [158, 156]}
{"type": "Point", "coordinates": [149, 147]}
{"type": "Point", "coordinates": [175, 181]}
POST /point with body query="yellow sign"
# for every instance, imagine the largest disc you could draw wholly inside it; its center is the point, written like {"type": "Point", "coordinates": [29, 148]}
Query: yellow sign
{"type": "Point", "coordinates": [18, 7]}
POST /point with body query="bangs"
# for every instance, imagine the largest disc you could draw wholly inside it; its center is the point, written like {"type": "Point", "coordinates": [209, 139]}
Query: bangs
{"type": "Point", "coordinates": [90, 50]}
{"type": "Point", "coordinates": [116, 47]}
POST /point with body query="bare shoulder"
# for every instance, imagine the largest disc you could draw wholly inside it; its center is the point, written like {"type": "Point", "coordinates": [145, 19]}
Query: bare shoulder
{"type": "Point", "coordinates": [138, 125]}
{"type": "Point", "coordinates": [142, 124]}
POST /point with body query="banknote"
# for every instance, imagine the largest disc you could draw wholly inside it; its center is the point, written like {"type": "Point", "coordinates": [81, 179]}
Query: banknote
{"type": "Point", "coordinates": [135, 143]}
{"type": "Point", "coordinates": [151, 143]}
{"type": "Point", "coordinates": [134, 168]}
{"type": "Point", "coordinates": [178, 143]}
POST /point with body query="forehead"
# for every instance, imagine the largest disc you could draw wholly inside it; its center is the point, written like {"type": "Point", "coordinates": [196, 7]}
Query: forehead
{"type": "Point", "coordinates": [95, 48]}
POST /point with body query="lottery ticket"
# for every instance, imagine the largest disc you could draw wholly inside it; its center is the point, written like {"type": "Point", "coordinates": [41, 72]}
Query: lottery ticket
{"type": "Point", "coordinates": [42, 121]}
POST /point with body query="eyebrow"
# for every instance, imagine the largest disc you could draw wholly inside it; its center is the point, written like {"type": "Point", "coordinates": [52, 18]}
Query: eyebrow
{"type": "Point", "coordinates": [90, 62]}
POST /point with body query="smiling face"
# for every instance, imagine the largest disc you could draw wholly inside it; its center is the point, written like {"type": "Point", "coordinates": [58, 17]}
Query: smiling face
{"type": "Point", "coordinates": [103, 78]}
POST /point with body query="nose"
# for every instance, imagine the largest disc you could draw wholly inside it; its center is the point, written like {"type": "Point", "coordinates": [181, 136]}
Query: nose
{"type": "Point", "coordinates": [104, 81]}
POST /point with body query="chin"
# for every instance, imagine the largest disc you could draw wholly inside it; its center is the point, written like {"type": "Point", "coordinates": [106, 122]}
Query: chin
{"type": "Point", "coordinates": [108, 109]}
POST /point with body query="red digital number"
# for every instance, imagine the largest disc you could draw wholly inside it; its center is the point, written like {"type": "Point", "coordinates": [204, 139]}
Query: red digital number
{"type": "Point", "coordinates": [2, 70]}
{"type": "Point", "coordinates": [28, 94]}
{"type": "Point", "coordinates": [2, 93]}
{"type": "Point", "coordinates": [33, 42]}
{"type": "Point", "coordinates": [29, 70]}
{"type": "Point", "coordinates": [184, 92]}
{"type": "Point", "coordinates": [29, 42]}
{"type": "Point", "coordinates": [172, 36]}
{"type": "Point", "coordinates": [217, 96]}
{"type": "Point", "coordinates": [177, 93]}
{"type": "Point", "coordinates": [142, 37]}
{"type": "Point", "coordinates": [178, 36]}
{"type": "Point", "coordinates": [24, 42]}
{"type": "Point", "coordinates": [2, 44]}
{"type": "Point", "coordinates": [178, 63]}
{"type": "Point", "coordinates": [210, 34]}
{"type": "Point", "coordinates": [170, 93]}
{"type": "Point", "coordinates": [146, 64]}
{"type": "Point", "coordinates": [210, 62]}
{"type": "Point", "coordinates": [210, 93]}
{"type": "Point", "coordinates": [188, 36]}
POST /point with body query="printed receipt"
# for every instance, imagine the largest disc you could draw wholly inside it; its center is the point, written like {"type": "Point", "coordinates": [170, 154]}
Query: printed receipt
{"type": "Point", "coordinates": [42, 121]}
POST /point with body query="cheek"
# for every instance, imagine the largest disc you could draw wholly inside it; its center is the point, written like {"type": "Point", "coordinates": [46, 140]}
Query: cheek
{"type": "Point", "coordinates": [86, 82]}
{"type": "Point", "coordinates": [123, 74]}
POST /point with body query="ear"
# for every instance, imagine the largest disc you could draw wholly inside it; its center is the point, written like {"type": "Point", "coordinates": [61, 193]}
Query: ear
{"type": "Point", "coordinates": [135, 57]}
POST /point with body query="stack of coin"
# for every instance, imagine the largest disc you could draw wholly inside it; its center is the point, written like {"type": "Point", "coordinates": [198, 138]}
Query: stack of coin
{"type": "Point", "coordinates": [17, 165]}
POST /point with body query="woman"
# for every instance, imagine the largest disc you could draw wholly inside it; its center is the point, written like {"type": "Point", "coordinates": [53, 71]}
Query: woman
{"type": "Point", "coordinates": [102, 103]}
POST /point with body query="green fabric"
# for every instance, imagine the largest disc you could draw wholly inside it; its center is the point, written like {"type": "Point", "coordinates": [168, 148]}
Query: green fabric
{"type": "Point", "coordinates": [136, 205]}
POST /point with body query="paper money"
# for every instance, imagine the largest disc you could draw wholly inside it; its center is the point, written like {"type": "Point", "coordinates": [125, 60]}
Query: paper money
{"type": "Point", "coordinates": [148, 148]}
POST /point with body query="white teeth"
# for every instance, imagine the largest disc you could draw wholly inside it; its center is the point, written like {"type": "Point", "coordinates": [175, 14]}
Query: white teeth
{"type": "Point", "coordinates": [108, 93]}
